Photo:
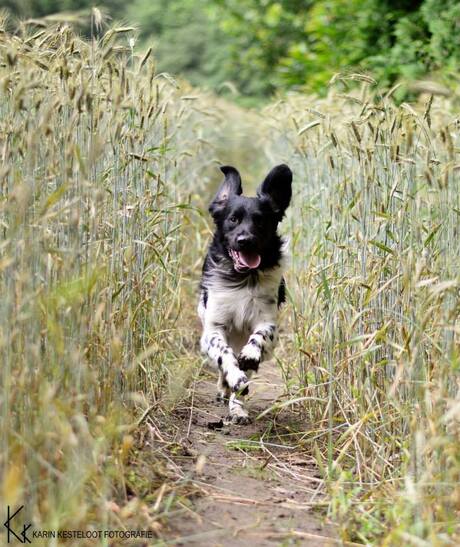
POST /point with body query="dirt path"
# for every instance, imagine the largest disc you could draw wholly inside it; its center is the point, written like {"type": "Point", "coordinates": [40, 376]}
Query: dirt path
{"type": "Point", "coordinates": [258, 490]}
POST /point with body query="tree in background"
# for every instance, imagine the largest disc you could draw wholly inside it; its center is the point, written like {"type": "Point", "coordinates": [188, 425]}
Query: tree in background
{"type": "Point", "coordinates": [302, 43]}
{"type": "Point", "coordinates": [298, 43]}
{"type": "Point", "coordinates": [262, 35]}
{"type": "Point", "coordinates": [185, 40]}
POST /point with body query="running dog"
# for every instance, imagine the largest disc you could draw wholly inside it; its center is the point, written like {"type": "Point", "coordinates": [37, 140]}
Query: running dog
{"type": "Point", "coordinates": [242, 285]}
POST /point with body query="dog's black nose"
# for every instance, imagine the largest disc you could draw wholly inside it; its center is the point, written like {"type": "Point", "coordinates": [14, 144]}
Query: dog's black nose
{"type": "Point", "coordinates": [245, 241]}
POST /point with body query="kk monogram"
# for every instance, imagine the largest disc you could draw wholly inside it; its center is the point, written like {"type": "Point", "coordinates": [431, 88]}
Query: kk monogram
{"type": "Point", "coordinates": [22, 538]}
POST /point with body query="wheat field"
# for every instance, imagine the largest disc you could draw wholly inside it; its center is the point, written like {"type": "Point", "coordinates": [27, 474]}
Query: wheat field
{"type": "Point", "coordinates": [106, 170]}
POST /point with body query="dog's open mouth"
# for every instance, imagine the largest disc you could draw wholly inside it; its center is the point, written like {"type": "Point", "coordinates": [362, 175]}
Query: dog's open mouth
{"type": "Point", "coordinates": [244, 260]}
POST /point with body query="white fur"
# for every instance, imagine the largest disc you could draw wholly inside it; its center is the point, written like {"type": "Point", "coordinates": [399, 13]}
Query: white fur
{"type": "Point", "coordinates": [238, 413]}
{"type": "Point", "coordinates": [245, 305]}
{"type": "Point", "coordinates": [236, 378]}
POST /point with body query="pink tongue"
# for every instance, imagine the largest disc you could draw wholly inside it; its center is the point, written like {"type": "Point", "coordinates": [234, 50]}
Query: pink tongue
{"type": "Point", "coordinates": [250, 260]}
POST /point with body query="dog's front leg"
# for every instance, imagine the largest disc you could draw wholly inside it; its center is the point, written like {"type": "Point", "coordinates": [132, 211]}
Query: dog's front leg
{"type": "Point", "coordinates": [238, 414]}
{"type": "Point", "coordinates": [259, 346]}
{"type": "Point", "coordinates": [232, 380]}
{"type": "Point", "coordinates": [214, 345]}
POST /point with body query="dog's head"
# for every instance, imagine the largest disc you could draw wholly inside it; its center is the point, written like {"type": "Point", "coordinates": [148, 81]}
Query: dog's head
{"type": "Point", "coordinates": [246, 226]}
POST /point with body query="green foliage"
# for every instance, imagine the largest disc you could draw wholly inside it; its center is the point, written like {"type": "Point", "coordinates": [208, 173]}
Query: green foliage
{"type": "Point", "coordinates": [302, 44]}
{"type": "Point", "coordinates": [262, 35]}
{"type": "Point", "coordinates": [40, 8]}
{"type": "Point", "coordinates": [442, 18]}
{"type": "Point", "coordinates": [184, 39]}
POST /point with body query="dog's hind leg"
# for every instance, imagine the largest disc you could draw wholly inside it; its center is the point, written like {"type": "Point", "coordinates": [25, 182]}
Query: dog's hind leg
{"type": "Point", "coordinates": [223, 389]}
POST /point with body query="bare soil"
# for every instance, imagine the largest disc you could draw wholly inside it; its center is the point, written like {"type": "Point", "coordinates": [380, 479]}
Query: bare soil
{"type": "Point", "coordinates": [256, 488]}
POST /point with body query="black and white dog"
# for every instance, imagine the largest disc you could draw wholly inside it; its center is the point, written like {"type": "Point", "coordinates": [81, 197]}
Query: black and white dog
{"type": "Point", "coordinates": [242, 286]}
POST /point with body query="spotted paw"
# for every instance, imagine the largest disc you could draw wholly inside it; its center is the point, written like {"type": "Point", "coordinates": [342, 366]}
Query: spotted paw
{"type": "Point", "coordinates": [249, 358]}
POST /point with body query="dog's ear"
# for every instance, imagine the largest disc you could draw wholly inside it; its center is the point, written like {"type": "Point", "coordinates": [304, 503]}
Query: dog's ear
{"type": "Point", "coordinates": [277, 186]}
{"type": "Point", "coordinates": [231, 186]}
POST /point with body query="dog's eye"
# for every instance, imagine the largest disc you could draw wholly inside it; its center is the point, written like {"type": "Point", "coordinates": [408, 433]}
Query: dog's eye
{"type": "Point", "coordinates": [233, 219]}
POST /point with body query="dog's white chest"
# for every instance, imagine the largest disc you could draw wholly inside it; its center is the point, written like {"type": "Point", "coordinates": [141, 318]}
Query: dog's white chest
{"type": "Point", "coordinates": [243, 307]}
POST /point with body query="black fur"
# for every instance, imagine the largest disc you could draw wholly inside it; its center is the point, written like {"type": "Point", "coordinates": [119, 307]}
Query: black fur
{"type": "Point", "coordinates": [282, 293]}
